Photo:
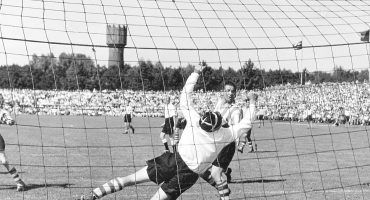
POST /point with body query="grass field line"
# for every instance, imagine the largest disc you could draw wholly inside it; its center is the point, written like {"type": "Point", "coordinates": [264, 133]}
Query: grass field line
{"type": "Point", "coordinates": [290, 192]}
{"type": "Point", "coordinates": [257, 195]}
{"type": "Point", "coordinates": [304, 124]}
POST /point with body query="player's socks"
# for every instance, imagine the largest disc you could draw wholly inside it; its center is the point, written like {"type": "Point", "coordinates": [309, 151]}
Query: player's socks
{"type": "Point", "coordinates": [250, 146]}
{"type": "Point", "coordinates": [14, 173]}
{"type": "Point", "coordinates": [21, 186]}
{"type": "Point", "coordinates": [241, 147]}
{"type": "Point", "coordinates": [223, 190]}
{"type": "Point", "coordinates": [110, 187]}
{"type": "Point", "coordinates": [207, 177]}
{"type": "Point", "coordinates": [165, 145]}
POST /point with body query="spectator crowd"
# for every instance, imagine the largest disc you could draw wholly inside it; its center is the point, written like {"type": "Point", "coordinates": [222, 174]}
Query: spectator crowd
{"type": "Point", "coordinates": [322, 103]}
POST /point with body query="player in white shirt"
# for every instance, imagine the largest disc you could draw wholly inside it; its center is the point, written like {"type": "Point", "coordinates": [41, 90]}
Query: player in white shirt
{"type": "Point", "coordinates": [127, 117]}
{"type": "Point", "coordinates": [247, 113]}
{"type": "Point", "coordinates": [5, 118]}
{"type": "Point", "coordinates": [261, 113]}
{"type": "Point", "coordinates": [169, 122]}
{"type": "Point", "coordinates": [201, 142]}
{"type": "Point", "coordinates": [232, 114]}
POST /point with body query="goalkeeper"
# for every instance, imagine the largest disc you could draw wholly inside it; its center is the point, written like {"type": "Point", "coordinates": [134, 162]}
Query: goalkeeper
{"type": "Point", "coordinates": [6, 119]}
{"type": "Point", "coordinates": [201, 141]}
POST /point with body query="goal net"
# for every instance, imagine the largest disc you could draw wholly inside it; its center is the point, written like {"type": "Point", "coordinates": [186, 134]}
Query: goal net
{"type": "Point", "coordinates": [70, 68]}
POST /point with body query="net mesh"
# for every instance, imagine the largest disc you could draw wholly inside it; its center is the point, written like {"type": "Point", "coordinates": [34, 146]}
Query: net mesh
{"type": "Point", "coordinates": [68, 140]}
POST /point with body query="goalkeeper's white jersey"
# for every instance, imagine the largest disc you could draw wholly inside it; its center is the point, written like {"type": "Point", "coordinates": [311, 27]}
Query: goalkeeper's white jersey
{"type": "Point", "coordinates": [198, 148]}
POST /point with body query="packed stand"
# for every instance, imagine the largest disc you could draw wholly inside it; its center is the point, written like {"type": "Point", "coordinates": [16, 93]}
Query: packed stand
{"type": "Point", "coordinates": [324, 103]}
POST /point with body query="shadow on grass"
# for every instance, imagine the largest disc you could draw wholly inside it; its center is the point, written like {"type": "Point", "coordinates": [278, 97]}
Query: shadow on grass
{"type": "Point", "coordinates": [264, 151]}
{"type": "Point", "coordinates": [36, 186]}
{"type": "Point", "coordinates": [236, 181]}
{"type": "Point", "coordinates": [365, 184]}
{"type": "Point", "coordinates": [8, 172]}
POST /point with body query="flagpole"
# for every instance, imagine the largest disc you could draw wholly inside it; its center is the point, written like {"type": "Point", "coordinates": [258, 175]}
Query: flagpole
{"type": "Point", "coordinates": [296, 59]}
{"type": "Point", "coordinates": [365, 38]}
{"type": "Point", "coordinates": [296, 47]}
{"type": "Point", "coordinates": [368, 57]}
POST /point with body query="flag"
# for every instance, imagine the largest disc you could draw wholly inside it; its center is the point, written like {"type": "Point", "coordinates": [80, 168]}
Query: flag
{"type": "Point", "coordinates": [365, 36]}
{"type": "Point", "coordinates": [298, 46]}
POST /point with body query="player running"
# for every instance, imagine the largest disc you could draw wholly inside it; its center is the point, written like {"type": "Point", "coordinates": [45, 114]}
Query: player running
{"type": "Point", "coordinates": [169, 122]}
{"type": "Point", "coordinates": [201, 141]}
{"type": "Point", "coordinates": [247, 137]}
{"type": "Point", "coordinates": [5, 118]}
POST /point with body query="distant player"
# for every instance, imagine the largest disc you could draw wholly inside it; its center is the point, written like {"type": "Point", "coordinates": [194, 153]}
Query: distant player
{"type": "Point", "coordinates": [201, 141]}
{"type": "Point", "coordinates": [247, 138]}
{"type": "Point", "coordinates": [127, 117]}
{"type": "Point", "coordinates": [169, 122]}
{"type": "Point", "coordinates": [5, 118]}
{"type": "Point", "coordinates": [261, 113]}
{"type": "Point", "coordinates": [307, 114]}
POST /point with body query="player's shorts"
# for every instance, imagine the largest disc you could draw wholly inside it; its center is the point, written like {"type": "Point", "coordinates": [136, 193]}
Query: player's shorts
{"type": "Point", "coordinates": [343, 119]}
{"type": "Point", "coordinates": [2, 143]}
{"type": "Point", "coordinates": [309, 118]}
{"type": "Point", "coordinates": [225, 157]}
{"type": "Point", "coordinates": [127, 118]}
{"type": "Point", "coordinates": [181, 123]}
{"type": "Point", "coordinates": [169, 124]}
{"type": "Point", "coordinates": [171, 170]}
{"type": "Point", "coordinates": [260, 117]}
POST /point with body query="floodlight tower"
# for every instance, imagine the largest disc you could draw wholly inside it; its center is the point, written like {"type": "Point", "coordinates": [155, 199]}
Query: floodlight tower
{"type": "Point", "coordinates": [365, 38]}
{"type": "Point", "coordinates": [116, 41]}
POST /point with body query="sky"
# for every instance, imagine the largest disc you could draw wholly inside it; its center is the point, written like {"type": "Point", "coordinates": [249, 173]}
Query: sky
{"type": "Point", "coordinates": [223, 33]}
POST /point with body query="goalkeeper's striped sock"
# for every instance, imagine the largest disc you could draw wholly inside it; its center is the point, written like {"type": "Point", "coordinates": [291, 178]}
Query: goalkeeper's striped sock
{"type": "Point", "coordinates": [110, 187]}
{"type": "Point", "coordinates": [223, 190]}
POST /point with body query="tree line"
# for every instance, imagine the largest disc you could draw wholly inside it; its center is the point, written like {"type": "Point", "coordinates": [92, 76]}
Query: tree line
{"type": "Point", "coordinates": [78, 71]}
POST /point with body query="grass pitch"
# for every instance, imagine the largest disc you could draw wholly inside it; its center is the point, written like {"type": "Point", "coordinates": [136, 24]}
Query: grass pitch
{"type": "Point", "coordinates": [62, 157]}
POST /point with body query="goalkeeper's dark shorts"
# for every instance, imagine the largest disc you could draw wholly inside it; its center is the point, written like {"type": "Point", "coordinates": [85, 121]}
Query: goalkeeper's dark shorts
{"type": "Point", "coordinates": [225, 157]}
{"type": "Point", "coordinates": [2, 143]}
{"type": "Point", "coordinates": [170, 169]}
